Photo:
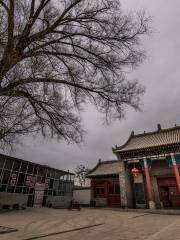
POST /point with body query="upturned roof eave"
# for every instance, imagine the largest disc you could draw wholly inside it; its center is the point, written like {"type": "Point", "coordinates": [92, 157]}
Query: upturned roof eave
{"type": "Point", "coordinates": [121, 148]}
{"type": "Point", "coordinates": [153, 148]}
{"type": "Point", "coordinates": [125, 144]}
{"type": "Point", "coordinates": [102, 175]}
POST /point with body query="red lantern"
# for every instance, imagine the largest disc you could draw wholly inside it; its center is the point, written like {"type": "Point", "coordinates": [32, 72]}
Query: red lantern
{"type": "Point", "coordinates": [134, 171]}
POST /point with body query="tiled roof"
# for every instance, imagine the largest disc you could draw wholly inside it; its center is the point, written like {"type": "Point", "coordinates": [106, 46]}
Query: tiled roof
{"type": "Point", "coordinates": [162, 137]}
{"type": "Point", "coordinates": [105, 168]}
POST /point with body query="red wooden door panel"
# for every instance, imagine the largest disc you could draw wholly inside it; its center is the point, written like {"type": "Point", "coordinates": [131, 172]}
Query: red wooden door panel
{"type": "Point", "coordinates": [113, 195]}
{"type": "Point", "coordinates": [174, 197]}
{"type": "Point", "coordinates": [114, 200]}
{"type": "Point", "coordinates": [168, 192]}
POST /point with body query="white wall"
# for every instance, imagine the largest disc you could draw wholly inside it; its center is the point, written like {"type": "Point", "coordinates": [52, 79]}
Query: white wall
{"type": "Point", "coordinates": [83, 196]}
{"type": "Point", "coordinates": [13, 198]}
{"type": "Point", "coordinates": [59, 201]}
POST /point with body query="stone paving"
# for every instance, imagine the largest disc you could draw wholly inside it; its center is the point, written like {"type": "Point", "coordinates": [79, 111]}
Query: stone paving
{"type": "Point", "coordinates": [89, 224]}
{"type": "Point", "coordinates": [4, 230]}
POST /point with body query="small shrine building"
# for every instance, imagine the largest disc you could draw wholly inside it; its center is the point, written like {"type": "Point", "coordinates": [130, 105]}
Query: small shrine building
{"type": "Point", "coordinates": [105, 186]}
{"type": "Point", "coordinates": [147, 170]}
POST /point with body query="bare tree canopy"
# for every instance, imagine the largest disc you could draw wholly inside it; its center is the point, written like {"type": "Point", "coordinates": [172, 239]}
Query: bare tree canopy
{"type": "Point", "coordinates": [57, 55]}
{"type": "Point", "coordinates": [80, 176]}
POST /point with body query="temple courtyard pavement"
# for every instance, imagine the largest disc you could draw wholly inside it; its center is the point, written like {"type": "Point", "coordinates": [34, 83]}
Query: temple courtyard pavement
{"type": "Point", "coordinates": [87, 224]}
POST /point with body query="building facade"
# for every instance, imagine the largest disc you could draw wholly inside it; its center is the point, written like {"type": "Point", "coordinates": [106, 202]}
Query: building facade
{"type": "Point", "coordinates": [20, 180]}
{"type": "Point", "coordinates": [156, 158]}
{"type": "Point", "coordinates": [105, 189]}
{"type": "Point", "coordinates": [146, 173]}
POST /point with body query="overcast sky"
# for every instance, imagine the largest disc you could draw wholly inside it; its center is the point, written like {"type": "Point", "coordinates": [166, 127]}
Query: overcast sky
{"type": "Point", "coordinates": [160, 74]}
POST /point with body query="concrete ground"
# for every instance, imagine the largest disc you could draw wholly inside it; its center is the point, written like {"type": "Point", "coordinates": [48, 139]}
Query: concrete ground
{"type": "Point", "coordinates": [89, 224]}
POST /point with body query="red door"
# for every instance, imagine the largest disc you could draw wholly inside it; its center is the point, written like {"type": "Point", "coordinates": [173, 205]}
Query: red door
{"type": "Point", "coordinates": [113, 197]}
{"type": "Point", "coordinates": [164, 197]}
{"type": "Point", "coordinates": [174, 197]}
{"type": "Point", "coordinates": [168, 192]}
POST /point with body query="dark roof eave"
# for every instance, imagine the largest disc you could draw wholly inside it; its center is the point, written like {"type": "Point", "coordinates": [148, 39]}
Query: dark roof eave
{"type": "Point", "coordinates": [116, 150]}
{"type": "Point", "coordinates": [149, 151]}
{"type": "Point", "coordinates": [102, 175]}
{"type": "Point", "coordinates": [149, 148]}
{"type": "Point", "coordinates": [45, 166]}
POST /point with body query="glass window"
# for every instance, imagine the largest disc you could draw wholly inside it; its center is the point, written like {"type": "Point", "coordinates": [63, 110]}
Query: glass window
{"type": "Point", "coordinates": [42, 171]}
{"type": "Point", "coordinates": [1, 163]}
{"type": "Point", "coordinates": [31, 190]}
{"type": "Point", "coordinates": [56, 184]}
{"type": "Point", "coordinates": [53, 173]}
{"type": "Point", "coordinates": [67, 187]}
{"type": "Point", "coordinates": [30, 168]}
{"type": "Point", "coordinates": [13, 179]}
{"type": "Point", "coordinates": [21, 178]}
{"type": "Point", "coordinates": [8, 164]}
{"type": "Point", "coordinates": [60, 185]}
{"type": "Point", "coordinates": [35, 169]}
{"type": "Point", "coordinates": [25, 190]}
{"type": "Point", "coordinates": [62, 177]}
{"type": "Point", "coordinates": [71, 187]}
{"type": "Point", "coordinates": [6, 176]}
{"type": "Point", "coordinates": [55, 193]}
{"type": "Point", "coordinates": [18, 189]}
{"type": "Point", "coordinates": [10, 189]}
{"type": "Point", "coordinates": [58, 174]}
{"type": "Point", "coordinates": [16, 165]}
{"type": "Point", "coordinates": [1, 171]}
{"type": "Point", "coordinates": [49, 192]}
{"type": "Point", "coordinates": [43, 180]}
{"type": "Point", "coordinates": [3, 188]}
{"type": "Point", "coordinates": [24, 167]}
{"type": "Point", "coordinates": [48, 174]}
{"type": "Point", "coordinates": [38, 179]}
{"type": "Point", "coordinates": [51, 183]}
{"type": "Point", "coordinates": [30, 181]}
{"type": "Point", "coordinates": [61, 193]}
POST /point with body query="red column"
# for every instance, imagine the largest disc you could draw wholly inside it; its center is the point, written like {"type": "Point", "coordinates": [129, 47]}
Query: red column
{"type": "Point", "coordinates": [148, 185]}
{"type": "Point", "coordinates": [106, 192]}
{"type": "Point", "coordinates": [176, 171]}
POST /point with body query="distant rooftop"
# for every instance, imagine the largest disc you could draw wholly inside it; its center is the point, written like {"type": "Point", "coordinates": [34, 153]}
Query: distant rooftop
{"type": "Point", "coordinates": [159, 138]}
{"type": "Point", "coordinates": [105, 168]}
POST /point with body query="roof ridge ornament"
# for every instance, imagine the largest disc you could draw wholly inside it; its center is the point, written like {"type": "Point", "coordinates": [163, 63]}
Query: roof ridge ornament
{"type": "Point", "coordinates": [132, 133]}
{"type": "Point", "coordinates": [159, 127]}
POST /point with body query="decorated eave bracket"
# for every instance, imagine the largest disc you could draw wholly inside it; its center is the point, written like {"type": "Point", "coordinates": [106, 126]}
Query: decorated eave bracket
{"type": "Point", "coordinates": [147, 163]}
{"type": "Point", "coordinates": [168, 159]}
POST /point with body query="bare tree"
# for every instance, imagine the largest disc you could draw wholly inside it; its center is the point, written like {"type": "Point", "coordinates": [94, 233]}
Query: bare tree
{"type": "Point", "coordinates": [57, 55]}
{"type": "Point", "coordinates": [80, 176]}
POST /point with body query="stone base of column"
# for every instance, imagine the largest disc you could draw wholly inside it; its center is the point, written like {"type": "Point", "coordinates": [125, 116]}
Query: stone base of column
{"type": "Point", "coordinates": [152, 205]}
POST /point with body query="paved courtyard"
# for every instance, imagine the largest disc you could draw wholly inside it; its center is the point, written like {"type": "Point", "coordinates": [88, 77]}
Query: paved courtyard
{"type": "Point", "coordinates": [89, 224]}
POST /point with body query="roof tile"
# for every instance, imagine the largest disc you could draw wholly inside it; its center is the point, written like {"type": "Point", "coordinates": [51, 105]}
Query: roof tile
{"type": "Point", "coordinates": [152, 139]}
